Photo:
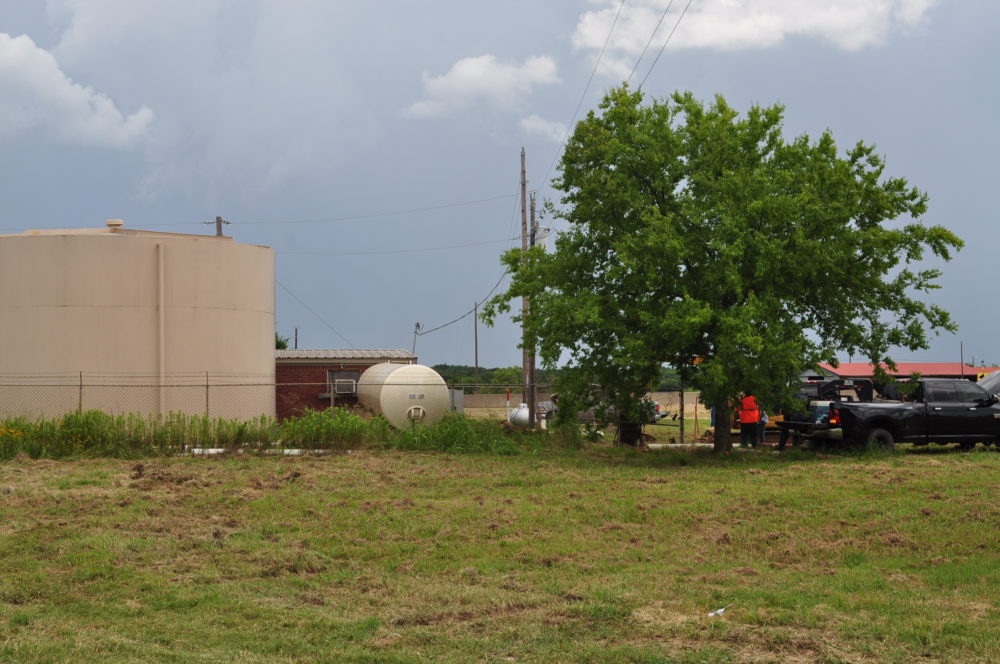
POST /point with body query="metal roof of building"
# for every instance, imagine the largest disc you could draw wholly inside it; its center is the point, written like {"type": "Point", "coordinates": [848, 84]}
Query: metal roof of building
{"type": "Point", "coordinates": [929, 369]}
{"type": "Point", "coordinates": [113, 229]}
{"type": "Point", "coordinates": [342, 354]}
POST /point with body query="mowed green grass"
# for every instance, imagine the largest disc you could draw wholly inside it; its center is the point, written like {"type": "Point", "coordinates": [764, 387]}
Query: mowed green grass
{"type": "Point", "coordinates": [604, 555]}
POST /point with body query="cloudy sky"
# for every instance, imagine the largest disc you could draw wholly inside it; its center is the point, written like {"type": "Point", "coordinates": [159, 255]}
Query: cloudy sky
{"type": "Point", "coordinates": [375, 146]}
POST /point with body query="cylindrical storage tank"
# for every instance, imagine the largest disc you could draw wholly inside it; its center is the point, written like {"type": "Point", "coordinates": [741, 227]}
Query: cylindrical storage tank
{"type": "Point", "coordinates": [404, 393]}
{"type": "Point", "coordinates": [519, 416]}
{"type": "Point", "coordinates": [131, 321]}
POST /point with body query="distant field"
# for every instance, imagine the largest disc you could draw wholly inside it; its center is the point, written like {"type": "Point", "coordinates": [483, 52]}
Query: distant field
{"type": "Point", "coordinates": [496, 413]}
{"type": "Point", "coordinates": [605, 555]}
{"type": "Point", "coordinates": [493, 407]}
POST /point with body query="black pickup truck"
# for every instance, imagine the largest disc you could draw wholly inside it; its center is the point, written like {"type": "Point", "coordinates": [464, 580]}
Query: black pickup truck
{"type": "Point", "coordinates": [939, 410]}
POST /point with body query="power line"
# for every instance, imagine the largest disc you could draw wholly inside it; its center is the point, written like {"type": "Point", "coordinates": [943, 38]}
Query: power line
{"type": "Point", "coordinates": [513, 217]}
{"type": "Point", "coordinates": [371, 215]}
{"type": "Point", "coordinates": [679, 19]}
{"type": "Point", "coordinates": [420, 332]}
{"type": "Point", "coordinates": [309, 309]}
{"type": "Point", "coordinates": [393, 251]}
{"type": "Point", "coordinates": [650, 40]}
{"type": "Point", "coordinates": [569, 127]}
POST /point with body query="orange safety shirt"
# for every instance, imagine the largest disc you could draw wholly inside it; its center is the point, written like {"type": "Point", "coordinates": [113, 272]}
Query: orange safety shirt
{"type": "Point", "coordinates": [749, 413]}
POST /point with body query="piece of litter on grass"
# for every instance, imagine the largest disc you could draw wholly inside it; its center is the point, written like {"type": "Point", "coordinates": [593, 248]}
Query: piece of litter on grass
{"type": "Point", "coordinates": [719, 612]}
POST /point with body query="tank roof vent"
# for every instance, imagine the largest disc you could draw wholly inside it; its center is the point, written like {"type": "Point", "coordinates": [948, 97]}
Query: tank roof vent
{"type": "Point", "coordinates": [114, 224]}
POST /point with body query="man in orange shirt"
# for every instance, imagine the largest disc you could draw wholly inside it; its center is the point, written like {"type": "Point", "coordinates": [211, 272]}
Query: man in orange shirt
{"type": "Point", "coordinates": [749, 417]}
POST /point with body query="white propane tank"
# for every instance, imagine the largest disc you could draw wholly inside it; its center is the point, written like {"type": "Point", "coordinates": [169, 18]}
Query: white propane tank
{"type": "Point", "coordinates": [404, 393]}
{"type": "Point", "coordinates": [519, 416]}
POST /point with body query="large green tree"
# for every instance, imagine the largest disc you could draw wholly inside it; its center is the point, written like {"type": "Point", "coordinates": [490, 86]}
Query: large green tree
{"type": "Point", "coordinates": [699, 232]}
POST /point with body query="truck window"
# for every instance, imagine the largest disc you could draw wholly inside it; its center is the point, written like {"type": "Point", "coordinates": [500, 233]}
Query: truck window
{"type": "Point", "coordinates": [971, 392]}
{"type": "Point", "coordinates": [941, 392]}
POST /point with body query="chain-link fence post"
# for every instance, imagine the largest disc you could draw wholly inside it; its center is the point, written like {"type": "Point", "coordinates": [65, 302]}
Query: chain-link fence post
{"type": "Point", "coordinates": [683, 399]}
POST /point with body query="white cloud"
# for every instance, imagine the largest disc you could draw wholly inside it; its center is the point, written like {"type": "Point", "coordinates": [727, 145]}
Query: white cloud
{"type": "Point", "coordinates": [741, 24]}
{"type": "Point", "coordinates": [553, 131]}
{"type": "Point", "coordinates": [35, 95]}
{"type": "Point", "coordinates": [482, 79]}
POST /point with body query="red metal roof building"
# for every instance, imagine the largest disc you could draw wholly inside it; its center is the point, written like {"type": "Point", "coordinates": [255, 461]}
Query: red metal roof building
{"type": "Point", "coordinates": [905, 369]}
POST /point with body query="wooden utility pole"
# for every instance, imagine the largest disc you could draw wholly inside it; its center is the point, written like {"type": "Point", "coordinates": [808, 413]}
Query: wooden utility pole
{"type": "Point", "coordinates": [532, 386]}
{"type": "Point", "coordinates": [475, 334]}
{"type": "Point", "coordinates": [219, 221]}
{"type": "Point", "coordinates": [525, 303]}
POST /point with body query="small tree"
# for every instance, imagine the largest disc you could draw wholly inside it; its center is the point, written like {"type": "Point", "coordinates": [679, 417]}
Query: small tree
{"type": "Point", "coordinates": [280, 342]}
{"type": "Point", "coordinates": [697, 232]}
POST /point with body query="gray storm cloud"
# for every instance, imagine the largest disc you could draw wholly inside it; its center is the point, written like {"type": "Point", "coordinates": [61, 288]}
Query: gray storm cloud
{"type": "Point", "coordinates": [36, 96]}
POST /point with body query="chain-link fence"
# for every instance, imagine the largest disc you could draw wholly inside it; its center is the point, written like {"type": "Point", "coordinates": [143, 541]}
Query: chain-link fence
{"type": "Point", "coordinates": [51, 396]}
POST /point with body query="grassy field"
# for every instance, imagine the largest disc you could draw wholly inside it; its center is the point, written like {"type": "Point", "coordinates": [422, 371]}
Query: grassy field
{"type": "Point", "coordinates": [604, 555]}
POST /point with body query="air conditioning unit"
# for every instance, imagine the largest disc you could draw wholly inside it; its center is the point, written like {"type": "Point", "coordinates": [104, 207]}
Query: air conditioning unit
{"type": "Point", "coordinates": [345, 386]}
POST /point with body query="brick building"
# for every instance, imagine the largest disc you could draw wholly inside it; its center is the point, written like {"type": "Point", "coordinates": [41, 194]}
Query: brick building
{"type": "Point", "coordinates": [318, 379]}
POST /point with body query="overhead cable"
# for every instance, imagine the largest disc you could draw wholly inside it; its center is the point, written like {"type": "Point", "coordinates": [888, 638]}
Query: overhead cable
{"type": "Point", "coordinates": [371, 215]}
{"type": "Point", "coordinates": [569, 127]}
{"type": "Point", "coordinates": [657, 59]}
{"type": "Point", "coordinates": [393, 251]}
{"type": "Point", "coordinates": [513, 237]}
{"type": "Point", "coordinates": [468, 313]}
{"type": "Point", "coordinates": [649, 41]}
{"type": "Point", "coordinates": [309, 309]}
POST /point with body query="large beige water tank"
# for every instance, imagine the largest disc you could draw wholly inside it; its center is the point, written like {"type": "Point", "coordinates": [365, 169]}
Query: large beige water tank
{"type": "Point", "coordinates": [404, 393]}
{"type": "Point", "coordinates": [126, 320]}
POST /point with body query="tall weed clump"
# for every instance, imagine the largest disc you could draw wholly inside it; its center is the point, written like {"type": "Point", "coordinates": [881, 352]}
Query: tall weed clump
{"type": "Point", "coordinates": [569, 436]}
{"type": "Point", "coordinates": [457, 434]}
{"type": "Point", "coordinates": [86, 433]}
{"type": "Point", "coordinates": [97, 434]}
{"type": "Point", "coordinates": [93, 433]}
{"type": "Point", "coordinates": [16, 437]}
{"type": "Point", "coordinates": [333, 428]}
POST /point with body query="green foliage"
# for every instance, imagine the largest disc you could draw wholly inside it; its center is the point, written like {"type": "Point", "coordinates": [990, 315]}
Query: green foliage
{"type": "Point", "coordinates": [456, 434]}
{"type": "Point", "coordinates": [462, 374]}
{"type": "Point", "coordinates": [697, 232]}
{"type": "Point", "coordinates": [93, 433]}
{"type": "Point", "coordinates": [280, 342]}
{"type": "Point", "coordinates": [333, 428]}
{"type": "Point", "coordinates": [669, 381]}
{"type": "Point", "coordinates": [97, 434]}
{"type": "Point", "coordinates": [502, 377]}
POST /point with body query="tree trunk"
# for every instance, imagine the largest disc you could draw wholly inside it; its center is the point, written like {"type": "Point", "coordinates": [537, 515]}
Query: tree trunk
{"type": "Point", "coordinates": [629, 433]}
{"type": "Point", "coordinates": [723, 442]}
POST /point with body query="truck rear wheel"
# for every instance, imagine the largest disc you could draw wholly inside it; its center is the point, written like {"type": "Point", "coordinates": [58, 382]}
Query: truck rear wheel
{"type": "Point", "coordinates": [879, 439]}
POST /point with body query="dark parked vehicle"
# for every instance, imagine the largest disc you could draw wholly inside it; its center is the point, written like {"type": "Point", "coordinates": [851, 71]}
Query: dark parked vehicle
{"type": "Point", "coordinates": [814, 421]}
{"type": "Point", "coordinates": [939, 410]}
